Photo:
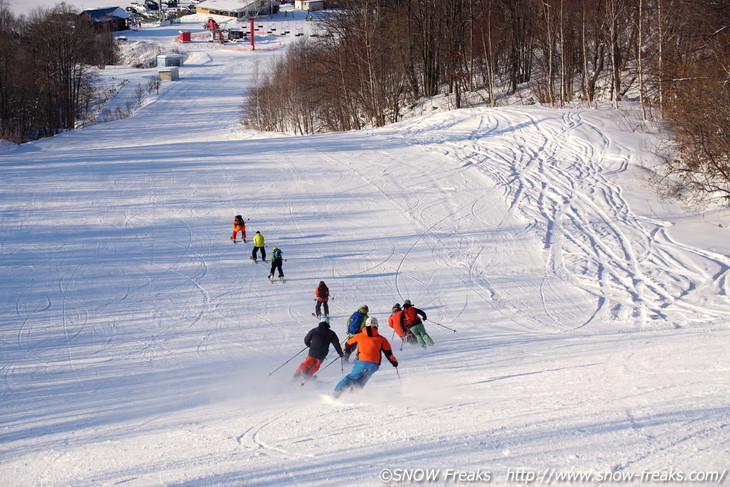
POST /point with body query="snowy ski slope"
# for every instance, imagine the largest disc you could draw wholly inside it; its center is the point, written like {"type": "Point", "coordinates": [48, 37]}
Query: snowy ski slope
{"type": "Point", "coordinates": [138, 343]}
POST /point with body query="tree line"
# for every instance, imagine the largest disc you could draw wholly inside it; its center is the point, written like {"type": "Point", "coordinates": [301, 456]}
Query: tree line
{"type": "Point", "coordinates": [374, 58]}
{"type": "Point", "coordinates": [47, 62]}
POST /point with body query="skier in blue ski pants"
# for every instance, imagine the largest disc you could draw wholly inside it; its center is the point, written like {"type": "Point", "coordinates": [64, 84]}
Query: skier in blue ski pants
{"type": "Point", "coordinates": [359, 376]}
{"type": "Point", "coordinates": [370, 345]}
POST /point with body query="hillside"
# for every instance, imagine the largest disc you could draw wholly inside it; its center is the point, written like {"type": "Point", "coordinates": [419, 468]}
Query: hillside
{"type": "Point", "coordinates": [138, 343]}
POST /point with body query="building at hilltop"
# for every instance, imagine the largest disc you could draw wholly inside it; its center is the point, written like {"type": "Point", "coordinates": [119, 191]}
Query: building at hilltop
{"type": "Point", "coordinates": [107, 19]}
{"type": "Point", "coordinates": [309, 5]}
{"type": "Point", "coordinates": [237, 8]}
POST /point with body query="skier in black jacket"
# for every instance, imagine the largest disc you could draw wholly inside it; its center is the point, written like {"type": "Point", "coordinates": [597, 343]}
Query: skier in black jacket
{"type": "Point", "coordinates": [318, 340]}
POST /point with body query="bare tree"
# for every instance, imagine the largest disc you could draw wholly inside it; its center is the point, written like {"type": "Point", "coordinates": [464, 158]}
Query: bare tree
{"type": "Point", "coordinates": [593, 44]}
{"type": "Point", "coordinates": [697, 70]}
{"type": "Point", "coordinates": [521, 16]}
{"type": "Point", "coordinates": [424, 15]}
{"type": "Point", "coordinates": [639, 58]}
{"type": "Point", "coordinates": [380, 55]}
{"type": "Point", "coordinates": [62, 46]}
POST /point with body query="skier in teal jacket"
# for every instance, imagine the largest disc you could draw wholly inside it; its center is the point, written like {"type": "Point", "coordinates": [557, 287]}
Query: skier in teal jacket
{"type": "Point", "coordinates": [277, 259]}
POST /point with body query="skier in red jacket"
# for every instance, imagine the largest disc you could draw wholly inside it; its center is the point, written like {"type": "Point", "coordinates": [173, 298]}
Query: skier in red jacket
{"type": "Point", "coordinates": [323, 295]}
{"type": "Point", "coordinates": [411, 322]}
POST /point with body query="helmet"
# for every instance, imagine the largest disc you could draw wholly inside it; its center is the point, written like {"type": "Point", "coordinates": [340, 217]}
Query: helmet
{"type": "Point", "coordinates": [407, 302]}
{"type": "Point", "coordinates": [396, 307]}
{"type": "Point", "coordinates": [372, 321]}
{"type": "Point", "coordinates": [365, 308]}
{"type": "Point", "coordinates": [276, 248]}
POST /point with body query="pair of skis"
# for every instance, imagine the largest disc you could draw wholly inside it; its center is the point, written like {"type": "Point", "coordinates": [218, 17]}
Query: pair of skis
{"type": "Point", "coordinates": [271, 278]}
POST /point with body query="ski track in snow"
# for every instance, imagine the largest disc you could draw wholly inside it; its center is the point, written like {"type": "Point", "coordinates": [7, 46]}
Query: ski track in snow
{"type": "Point", "coordinates": [556, 183]}
{"type": "Point", "coordinates": [140, 346]}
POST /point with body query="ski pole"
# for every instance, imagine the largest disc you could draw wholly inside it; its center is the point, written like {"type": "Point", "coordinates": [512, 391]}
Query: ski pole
{"type": "Point", "coordinates": [300, 351]}
{"type": "Point", "coordinates": [320, 370]}
{"type": "Point", "coordinates": [333, 361]}
{"type": "Point", "coordinates": [443, 326]}
{"type": "Point", "coordinates": [398, 373]}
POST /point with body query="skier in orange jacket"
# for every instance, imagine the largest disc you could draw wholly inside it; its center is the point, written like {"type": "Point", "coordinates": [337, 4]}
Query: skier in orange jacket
{"type": "Point", "coordinates": [394, 320]}
{"type": "Point", "coordinates": [239, 226]}
{"type": "Point", "coordinates": [370, 345]}
{"type": "Point", "coordinates": [396, 323]}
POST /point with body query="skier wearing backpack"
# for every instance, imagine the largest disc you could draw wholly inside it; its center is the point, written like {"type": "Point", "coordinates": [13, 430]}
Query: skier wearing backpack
{"type": "Point", "coordinates": [239, 225]}
{"type": "Point", "coordinates": [323, 295]}
{"type": "Point", "coordinates": [258, 244]}
{"type": "Point", "coordinates": [411, 322]}
{"type": "Point", "coordinates": [277, 259]}
{"type": "Point", "coordinates": [370, 345]}
{"type": "Point", "coordinates": [355, 323]}
{"type": "Point", "coordinates": [318, 340]}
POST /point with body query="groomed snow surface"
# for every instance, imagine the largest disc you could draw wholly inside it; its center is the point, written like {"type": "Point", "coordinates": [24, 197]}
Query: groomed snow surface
{"type": "Point", "coordinates": [138, 343]}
